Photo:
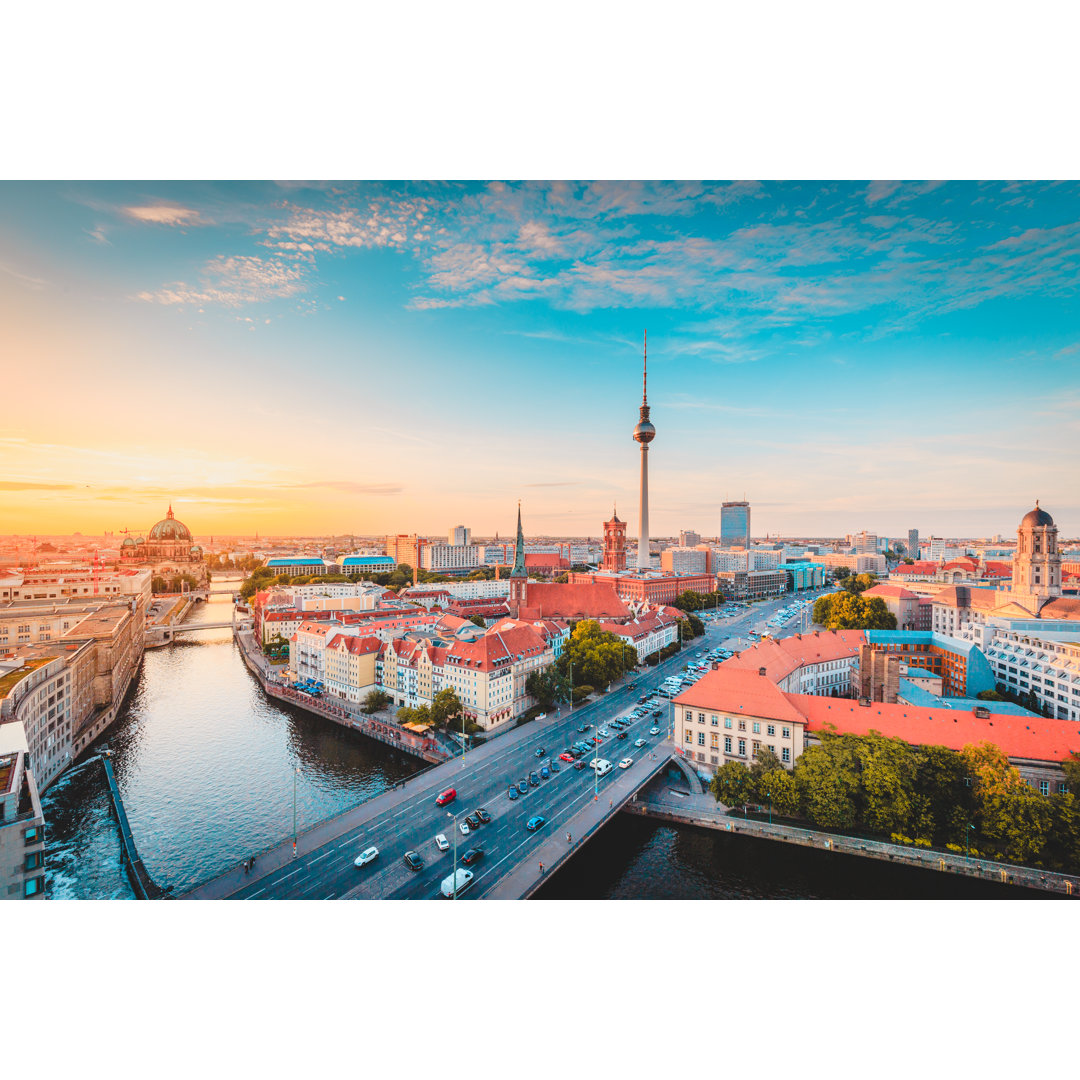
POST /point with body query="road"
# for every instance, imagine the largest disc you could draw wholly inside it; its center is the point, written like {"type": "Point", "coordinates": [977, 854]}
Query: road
{"type": "Point", "coordinates": [411, 820]}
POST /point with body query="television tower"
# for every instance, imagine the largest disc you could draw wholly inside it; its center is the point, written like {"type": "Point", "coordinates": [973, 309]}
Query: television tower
{"type": "Point", "coordinates": [644, 433]}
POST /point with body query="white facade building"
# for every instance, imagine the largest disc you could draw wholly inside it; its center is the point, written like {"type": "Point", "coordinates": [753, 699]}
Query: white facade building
{"type": "Point", "coordinates": [448, 557]}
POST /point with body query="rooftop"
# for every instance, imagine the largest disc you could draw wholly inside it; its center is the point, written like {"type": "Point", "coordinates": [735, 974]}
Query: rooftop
{"type": "Point", "coordinates": [30, 664]}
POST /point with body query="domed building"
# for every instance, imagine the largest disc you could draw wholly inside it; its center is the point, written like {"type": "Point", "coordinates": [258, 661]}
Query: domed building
{"type": "Point", "coordinates": [168, 549]}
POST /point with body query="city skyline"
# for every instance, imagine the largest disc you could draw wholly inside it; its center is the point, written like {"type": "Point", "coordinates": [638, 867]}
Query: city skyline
{"type": "Point", "coordinates": [168, 339]}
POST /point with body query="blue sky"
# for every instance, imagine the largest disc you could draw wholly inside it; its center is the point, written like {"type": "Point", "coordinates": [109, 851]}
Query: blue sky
{"type": "Point", "coordinates": [400, 357]}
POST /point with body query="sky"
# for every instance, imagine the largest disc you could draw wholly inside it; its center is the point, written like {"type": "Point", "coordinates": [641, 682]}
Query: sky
{"type": "Point", "coordinates": [312, 358]}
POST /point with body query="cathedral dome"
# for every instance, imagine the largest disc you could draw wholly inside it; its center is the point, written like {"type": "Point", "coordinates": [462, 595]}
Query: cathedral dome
{"type": "Point", "coordinates": [170, 529]}
{"type": "Point", "coordinates": [1036, 517]}
{"type": "Point", "coordinates": [128, 542]}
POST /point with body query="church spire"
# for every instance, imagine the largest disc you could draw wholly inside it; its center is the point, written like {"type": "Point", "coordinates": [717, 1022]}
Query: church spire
{"type": "Point", "coordinates": [519, 549]}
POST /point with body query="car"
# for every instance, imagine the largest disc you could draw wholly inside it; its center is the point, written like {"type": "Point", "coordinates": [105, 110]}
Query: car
{"type": "Point", "coordinates": [512, 793]}
{"type": "Point", "coordinates": [534, 780]}
{"type": "Point", "coordinates": [623, 735]}
{"type": "Point", "coordinates": [603, 768]}
{"type": "Point", "coordinates": [603, 733]}
{"type": "Point", "coordinates": [473, 821]}
{"type": "Point", "coordinates": [597, 740]}
{"type": "Point", "coordinates": [366, 856]}
{"type": "Point", "coordinates": [566, 756]}
{"type": "Point", "coordinates": [523, 786]}
{"type": "Point", "coordinates": [545, 772]}
{"type": "Point", "coordinates": [449, 795]}
{"type": "Point", "coordinates": [639, 743]}
{"type": "Point", "coordinates": [540, 751]}
{"type": "Point", "coordinates": [584, 728]}
{"type": "Point", "coordinates": [654, 730]}
{"type": "Point", "coordinates": [456, 883]}
{"type": "Point", "coordinates": [553, 765]}
{"type": "Point", "coordinates": [658, 712]}
{"type": "Point", "coordinates": [579, 764]}
{"type": "Point", "coordinates": [464, 827]}
{"type": "Point", "coordinates": [442, 843]}
{"type": "Point", "coordinates": [482, 814]}
{"type": "Point", "coordinates": [535, 823]}
{"type": "Point", "coordinates": [413, 861]}
{"type": "Point", "coordinates": [472, 855]}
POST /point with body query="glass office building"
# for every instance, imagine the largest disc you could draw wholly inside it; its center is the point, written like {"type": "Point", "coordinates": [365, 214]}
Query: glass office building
{"type": "Point", "coordinates": [735, 524]}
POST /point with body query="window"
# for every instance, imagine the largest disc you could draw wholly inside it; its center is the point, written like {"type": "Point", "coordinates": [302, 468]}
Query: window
{"type": "Point", "coordinates": [742, 725]}
{"type": "Point", "coordinates": [756, 728]}
{"type": "Point", "coordinates": [701, 718]}
{"type": "Point", "coordinates": [785, 753]}
{"type": "Point", "coordinates": [1063, 788]}
{"type": "Point", "coordinates": [786, 732]}
{"type": "Point", "coordinates": [727, 744]}
{"type": "Point", "coordinates": [771, 729]}
{"type": "Point", "coordinates": [33, 860]}
{"type": "Point", "coordinates": [1044, 787]}
{"type": "Point", "coordinates": [689, 736]}
{"type": "Point", "coordinates": [742, 748]}
{"type": "Point", "coordinates": [716, 722]}
{"type": "Point", "coordinates": [756, 748]}
{"type": "Point", "coordinates": [701, 738]}
{"type": "Point", "coordinates": [33, 836]}
{"type": "Point", "coordinates": [689, 717]}
{"type": "Point", "coordinates": [33, 885]}
{"type": "Point", "coordinates": [727, 722]}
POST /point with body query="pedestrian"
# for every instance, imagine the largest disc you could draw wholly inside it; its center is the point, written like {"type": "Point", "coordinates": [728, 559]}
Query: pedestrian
{"type": "Point", "coordinates": [541, 869]}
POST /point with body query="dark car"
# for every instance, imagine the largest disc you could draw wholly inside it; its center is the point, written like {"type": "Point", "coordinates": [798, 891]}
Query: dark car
{"type": "Point", "coordinates": [482, 814]}
{"type": "Point", "coordinates": [534, 780]}
{"type": "Point", "coordinates": [472, 855]}
{"type": "Point", "coordinates": [473, 820]}
{"type": "Point", "coordinates": [413, 861]}
{"type": "Point", "coordinates": [540, 751]}
{"type": "Point", "coordinates": [513, 793]}
{"type": "Point", "coordinates": [622, 735]}
{"type": "Point", "coordinates": [658, 712]}
{"type": "Point", "coordinates": [584, 728]}
{"type": "Point", "coordinates": [553, 765]}
{"type": "Point", "coordinates": [579, 764]}
{"type": "Point", "coordinates": [545, 772]}
{"type": "Point", "coordinates": [534, 823]}
{"type": "Point", "coordinates": [523, 786]}
{"type": "Point", "coordinates": [642, 700]}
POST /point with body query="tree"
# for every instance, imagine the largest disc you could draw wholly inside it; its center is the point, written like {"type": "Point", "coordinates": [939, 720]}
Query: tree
{"type": "Point", "coordinates": [887, 780]}
{"type": "Point", "coordinates": [732, 785]}
{"type": "Point", "coordinates": [849, 611]}
{"type": "Point", "coordinates": [548, 686]}
{"type": "Point", "coordinates": [827, 776]}
{"type": "Point", "coordinates": [562, 579]}
{"type": "Point", "coordinates": [1071, 768]}
{"type": "Point", "coordinates": [445, 707]}
{"type": "Point", "coordinates": [477, 620]}
{"type": "Point", "coordinates": [376, 700]}
{"type": "Point", "coordinates": [598, 657]}
{"type": "Point", "coordinates": [689, 601]}
{"type": "Point", "coordinates": [420, 715]}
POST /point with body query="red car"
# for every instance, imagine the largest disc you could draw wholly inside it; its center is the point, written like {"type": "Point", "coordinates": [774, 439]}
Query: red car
{"type": "Point", "coordinates": [566, 757]}
{"type": "Point", "coordinates": [449, 795]}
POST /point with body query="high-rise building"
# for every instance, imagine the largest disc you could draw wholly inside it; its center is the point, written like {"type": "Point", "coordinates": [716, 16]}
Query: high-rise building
{"type": "Point", "coordinates": [614, 543]}
{"type": "Point", "coordinates": [866, 543]}
{"type": "Point", "coordinates": [689, 538]}
{"type": "Point", "coordinates": [644, 434]}
{"type": "Point", "coordinates": [460, 536]}
{"type": "Point", "coordinates": [913, 543]}
{"type": "Point", "coordinates": [735, 524]}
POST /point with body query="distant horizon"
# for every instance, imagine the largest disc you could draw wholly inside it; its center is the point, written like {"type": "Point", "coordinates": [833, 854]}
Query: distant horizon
{"type": "Point", "coordinates": [334, 358]}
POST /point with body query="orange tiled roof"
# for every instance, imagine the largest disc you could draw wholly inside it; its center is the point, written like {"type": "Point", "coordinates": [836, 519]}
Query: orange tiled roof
{"type": "Point", "coordinates": [781, 658]}
{"type": "Point", "coordinates": [737, 690]}
{"type": "Point", "coordinates": [594, 601]}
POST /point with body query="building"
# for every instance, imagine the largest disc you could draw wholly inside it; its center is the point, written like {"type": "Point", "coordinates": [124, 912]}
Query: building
{"type": "Point", "coordinates": [913, 543]}
{"type": "Point", "coordinates": [644, 433]}
{"type": "Point", "coordinates": [637, 588]}
{"type": "Point", "coordinates": [962, 666]}
{"type": "Point", "coordinates": [22, 823]}
{"type": "Point", "coordinates": [865, 543]}
{"type": "Point", "coordinates": [732, 713]}
{"type": "Point", "coordinates": [751, 584]}
{"type": "Point", "coordinates": [689, 538]}
{"type": "Point", "coordinates": [614, 544]}
{"type": "Point", "coordinates": [406, 549]}
{"type": "Point", "coordinates": [684, 560]}
{"type": "Point", "coordinates": [802, 576]}
{"type": "Point", "coordinates": [820, 663]}
{"type": "Point", "coordinates": [857, 564]}
{"type": "Point", "coordinates": [913, 612]}
{"type": "Point", "coordinates": [367, 564]}
{"type": "Point", "coordinates": [450, 558]}
{"type": "Point", "coordinates": [168, 550]}
{"type": "Point", "coordinates": [303, 566]}
{"type": "Point", "coordinates": [349, 663]}
{"type": "Point", "coordinates": [648, 633]}
{"type": "Point", "coordinates": [735, 524]}
{"type": "Point", "coordinates": [460, 536]}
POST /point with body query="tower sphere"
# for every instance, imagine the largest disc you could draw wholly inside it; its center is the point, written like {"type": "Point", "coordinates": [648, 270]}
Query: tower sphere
{"type": "Point", "coordinates": [644, 432]}
{"type": "Point", "coordinates": [1037, 517]}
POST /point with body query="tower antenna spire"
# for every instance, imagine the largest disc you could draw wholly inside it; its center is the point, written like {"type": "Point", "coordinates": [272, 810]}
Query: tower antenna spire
{"type": "Point", "coordinates": [645, 373]}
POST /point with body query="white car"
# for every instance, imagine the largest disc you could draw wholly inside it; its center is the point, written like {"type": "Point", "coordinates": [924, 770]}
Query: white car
{"type": "Point", "coordinates": [464, 827]}
{"type": "Point", "coordinates": [626, 763]}
{"type": "Point", "coordinates": [654, 730]}
{"type": "Point", "coordinates": [639, 743]}
{"type": "Point", "coordinates": [603, 733]}
{"type": "Point", "coordinates": [442, 843]}
{"type": "Point", "coordinates": [366, 856]}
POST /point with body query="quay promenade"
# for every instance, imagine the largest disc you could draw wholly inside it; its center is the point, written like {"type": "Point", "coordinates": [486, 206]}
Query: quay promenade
{"type": "Point", "coordinates": [141, 882]}
{"type": "Point", "coordinates": [704, 811]}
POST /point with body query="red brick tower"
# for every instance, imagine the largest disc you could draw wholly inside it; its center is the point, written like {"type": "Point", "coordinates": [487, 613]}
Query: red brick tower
{"type": "Point", "coordinates": [614, 543]}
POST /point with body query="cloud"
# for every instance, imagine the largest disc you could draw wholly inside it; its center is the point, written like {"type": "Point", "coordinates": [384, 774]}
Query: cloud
{"type": "Point", "coordinates": [162, 213]}
{"type": "Point", "coordinates": [554, 483]}
{"type": "Point", "coordinates": [235, 280]}
{"type": "Point", "coordinates": [26, 279]}
{"type": "Point", "coordinates": [29, 485]}
{"type": "Point", "coordinates": [352, 487]}
{"type": "Point", "coordinates": [97, 234]}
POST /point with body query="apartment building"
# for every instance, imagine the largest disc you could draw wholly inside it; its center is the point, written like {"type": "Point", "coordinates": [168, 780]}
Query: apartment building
{"type": "Point", "coordinates": [22, 823]}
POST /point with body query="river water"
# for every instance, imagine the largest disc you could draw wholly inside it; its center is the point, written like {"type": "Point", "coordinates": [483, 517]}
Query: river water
{"type": "Point", "coordinates": [206, 765]}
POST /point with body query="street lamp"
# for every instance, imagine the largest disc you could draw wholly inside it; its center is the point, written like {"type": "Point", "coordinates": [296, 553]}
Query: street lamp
{"type": "Point", "coordinates": [967, 839]}
{"type": "Point", "coordinates": [571, 665]}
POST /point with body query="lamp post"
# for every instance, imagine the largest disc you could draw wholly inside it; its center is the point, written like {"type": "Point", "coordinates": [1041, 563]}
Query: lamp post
{"type": "Point", "coordinates": [769, 795]}
{"type": "Point", "coordinates": [967, 839]}
{"type": "Point", "coordinates": [571, 665]}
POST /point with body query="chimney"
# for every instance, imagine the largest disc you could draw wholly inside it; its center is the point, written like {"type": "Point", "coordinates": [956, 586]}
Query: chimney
{"type": "Point", "coordinates": [761, 671]}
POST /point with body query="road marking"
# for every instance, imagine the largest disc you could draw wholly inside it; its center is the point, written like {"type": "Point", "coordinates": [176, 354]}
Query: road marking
{"type": "Point", "coordinates": [254, 894]}
{"type": "Point", "coordinates": [316, 859]}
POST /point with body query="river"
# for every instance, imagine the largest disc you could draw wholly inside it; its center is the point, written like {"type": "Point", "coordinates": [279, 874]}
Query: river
{"type": "Point", "coordinates": [206, 765]}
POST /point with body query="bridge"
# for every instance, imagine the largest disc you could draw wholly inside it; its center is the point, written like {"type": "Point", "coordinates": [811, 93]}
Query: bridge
{"type": "Point", "coordinates": [575, 804]}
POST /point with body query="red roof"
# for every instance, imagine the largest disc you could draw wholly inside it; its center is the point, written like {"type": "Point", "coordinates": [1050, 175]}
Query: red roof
{"type": "Point", "coordinates": [1018, 736]}
{"type": "Point", "coordinates": [896, 592]}
{"type": "Point", "coordinates": [916, 568]}
{"type": "Point", "coordinates": [551, 601]}
{"type": "Point", "coordinates": [497, 646]}
{"type": "Point", "coordinates": [357, 645]}
{"type": "Point", "coordinates": [781, 658]}
{"type": "Point", "coordinates": [538, 559]}
{"type": "Point", "coordinates": [735, 690]}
